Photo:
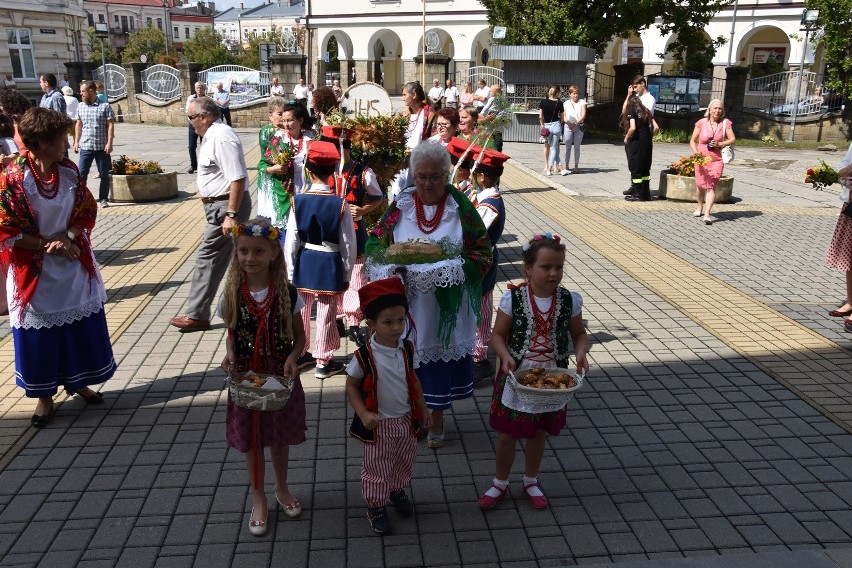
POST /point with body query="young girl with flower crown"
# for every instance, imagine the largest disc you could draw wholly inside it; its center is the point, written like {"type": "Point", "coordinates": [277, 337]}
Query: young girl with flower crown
{"type": "Point", "coordinates": [535, 323]}
{"type": "Point", "coordinates": [263, 336]}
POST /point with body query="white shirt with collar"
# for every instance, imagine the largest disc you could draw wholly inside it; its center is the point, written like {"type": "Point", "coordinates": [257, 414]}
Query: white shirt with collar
{"type": "Point", "coordinates": [392, 388]}
{"type": "Point", "coordinates": [300, 91]}
{"type": "Point", "coordinates": [488, 214]}
{"type": "Point", "coordinates": [435, 93]}
{"type": "Point", "coordinates": [220, 161]}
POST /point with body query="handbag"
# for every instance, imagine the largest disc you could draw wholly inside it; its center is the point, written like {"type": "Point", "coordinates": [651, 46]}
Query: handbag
{"type": "Point", "coordinates": [727, 151]}
{"type": "Point", "coordinates": [847, 209]}
{"type": "Point", "coordinates": [582, 126]}
{"type": "Point", "coordinates": [544, 132]}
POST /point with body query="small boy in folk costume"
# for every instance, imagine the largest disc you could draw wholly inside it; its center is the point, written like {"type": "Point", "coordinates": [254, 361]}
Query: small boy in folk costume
{"type": "Point", "coordinates": [386, 395]}
{"type": "Point", "coordinates": [357, 184]}
{"type": "Point", "coordinates": [462, 179]}
{"type": "Point", "coordinates": [320, 252]}
{"type": "Point", "coordinates": [489, 205]}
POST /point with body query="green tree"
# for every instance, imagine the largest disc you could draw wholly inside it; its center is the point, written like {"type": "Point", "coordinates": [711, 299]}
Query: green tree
{"type": "Point", "coordinates": [595, 24]}
{"type": "Point", "coordinates": [249, 56]}
{"type": "Point", "coordinates": [835, 19]}
{"type": "Point", "coordinates": [95, 44]}
{"type": "Point", "coordinates": [148, 40]}
{"type": "Point", "coordinates": [206, 48]}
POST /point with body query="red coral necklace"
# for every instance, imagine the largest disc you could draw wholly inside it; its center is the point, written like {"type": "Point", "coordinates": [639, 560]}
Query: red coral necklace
{"type": "Point", "coordinates": [41, 183]}
{"type": "Point", "coordinates": [543, 321]}
{"type": "Point", "coordinates": [428, 226]}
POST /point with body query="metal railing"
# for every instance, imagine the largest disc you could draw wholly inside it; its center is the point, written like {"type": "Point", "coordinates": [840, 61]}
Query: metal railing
{"type": "Point", "coordinates": [599, 89]}
{"type": "Point", "coordinates": [112, 76]}
{"type": "Point", "coordinates": [492, 76]}
{"type": "Point", "coordinates": [161, 82]}
{"type": "Point", "coordinates": [243, 83]}
{"type": "Point", "coordinates": [778, 93]}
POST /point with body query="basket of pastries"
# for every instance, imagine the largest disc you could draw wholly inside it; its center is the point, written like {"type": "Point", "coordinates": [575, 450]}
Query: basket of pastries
{"type": "Point", "coordinates": [259, 391]}
{"type": "Point", "coordinates": [545, 387]}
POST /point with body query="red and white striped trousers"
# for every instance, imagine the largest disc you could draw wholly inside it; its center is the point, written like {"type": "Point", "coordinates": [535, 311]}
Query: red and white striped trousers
{"type": "Point", "coordinates": [388, 463]}
{"type": "Point", "coordinates": [483, 332]}
{"type": "Point", "coordinates": [348, 303]}
{"type": "Point", "coordinates": [327, 339]}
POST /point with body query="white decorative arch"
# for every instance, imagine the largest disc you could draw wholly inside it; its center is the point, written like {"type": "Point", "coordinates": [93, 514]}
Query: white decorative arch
{"type": "Point", "coordinates": [344, 44]}
{"type": "Point", "coordinates": [741, 37]}
{"type": "Point", "coordinates": [390, 40]}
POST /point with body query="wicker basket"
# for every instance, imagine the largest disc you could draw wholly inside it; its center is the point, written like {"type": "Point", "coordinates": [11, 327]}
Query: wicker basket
{"type": "Point", "coordinates": [257, 398]}
{"type": "Point", "coordinates": [544, 400]}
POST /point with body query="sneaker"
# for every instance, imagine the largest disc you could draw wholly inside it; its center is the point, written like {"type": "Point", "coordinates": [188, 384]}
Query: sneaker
{"type": "Point", "coordinates": [379, 519]}
{"type": "Point", "coordinates": [564, 172]}
{"type": "Point", "coordinates": [104, 203]}
{"type": "Point", "coordinates": [329, 369]}
{"type": "Point", "coordinates": [548, 173]}
{"type": "Point", "coordinates": [306, 360]}
{"type": "Point", "coordinates": [482, 370]}
{"type": "Point", "coordinates": [355, 336]}
{"type": "Point", "coordinates": [402, 503]}
{"type": "Point", "coordinates": [341, 327]}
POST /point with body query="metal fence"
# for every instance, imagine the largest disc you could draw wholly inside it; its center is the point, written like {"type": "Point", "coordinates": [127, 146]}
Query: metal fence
{"type": "Point", "coordinates": [599, 89]}
{"type": "Point", "coordinates": [491, 75]}
{"type": "Point", "coordinates": [112, 76]}
{"type": "Point", "coordinates": [243, 83]}
{"type": "Point", "coordinates": [161, 82]}
{"type": "Point", "coordinates": [778, 93]}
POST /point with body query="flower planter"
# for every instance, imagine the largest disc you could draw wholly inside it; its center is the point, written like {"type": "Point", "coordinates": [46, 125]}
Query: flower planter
{"type": "Point", "coordinates": [142, 188]}
{"type": "Point", "coordinates": [682, 188]}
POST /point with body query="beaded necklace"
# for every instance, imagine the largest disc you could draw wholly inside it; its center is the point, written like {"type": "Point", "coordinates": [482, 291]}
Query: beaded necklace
{"type": "Point", "coordinates": [51, 181]}
{"type": "Point", "coordinates": [428, 226]}
{"type": "Point", "coordinates": [260, 311]}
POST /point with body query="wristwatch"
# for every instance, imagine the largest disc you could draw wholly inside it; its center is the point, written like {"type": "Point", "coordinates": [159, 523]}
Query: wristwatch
{"type": "Point", "coordinates": [230, 214]}
{"type": "Point", "coordinates": [70, 234]}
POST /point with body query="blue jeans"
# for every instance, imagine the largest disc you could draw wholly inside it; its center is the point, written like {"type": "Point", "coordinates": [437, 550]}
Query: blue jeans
{"type": "Point", "coordinates": [193, 144]}
{"type": "Point", "coordinates": [104, 164]}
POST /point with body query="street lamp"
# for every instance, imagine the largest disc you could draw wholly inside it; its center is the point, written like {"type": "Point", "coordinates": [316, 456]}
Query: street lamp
{"type": "Point", "coordinates": [166, 18]}
{"type": "Point", "coordinates": [809, 24]}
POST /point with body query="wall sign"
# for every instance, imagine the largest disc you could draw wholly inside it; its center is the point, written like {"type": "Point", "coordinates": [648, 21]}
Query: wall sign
{"type": "Point", "coordinates": [47, 31]}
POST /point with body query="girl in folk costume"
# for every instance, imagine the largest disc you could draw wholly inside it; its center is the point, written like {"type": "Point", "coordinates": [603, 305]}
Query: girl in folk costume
{"type": "Point", "coordinates": [489, 205]}
{"type": "Point", "coordinates": [320, 254]}
{"type": "Point", "coordinates": [287, 133]}
{"type": "Point", "coordinates": [258, 307]}
{"type": "Point", "coordinates": [358, 186]}
{"type": "Point", "coordinates": [535, 323]}
{"type": "Point", "coordinates": [386, 395]}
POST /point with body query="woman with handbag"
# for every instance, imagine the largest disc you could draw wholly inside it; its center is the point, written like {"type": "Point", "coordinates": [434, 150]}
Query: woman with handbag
{"type": "Point", "coordinates": [550, 118]}
{"type": "Point", "coordinates": [575, 126]}
{"type": "Point", "coordinates": [710, 136]}
{"type": "Point", "coordinates": [840, 251]}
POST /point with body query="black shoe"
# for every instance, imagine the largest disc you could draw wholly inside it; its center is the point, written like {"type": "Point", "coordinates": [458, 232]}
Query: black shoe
{"type": "Point", "coordinates": [40, 422]}
{"type": "Point", "coordinates": [341, 327]}
{"type": "Point", "coordinates": [482, 370]}
{"type": "Point", "coordinates": [329, 369]}
{"type": "Point", "coordinates": [628, 191]}
{"type": "Point", "coordinates": [190, 171]}
{"type": "Point", "coordinates": [94, 398]}
{"type": "Point", "coordinates": [355, 336]}
{"type": "Point", "coordinates": [402, 504]}
{"type": "Point", "coordinates": [306, 360]}
{"type": "Point", "coordinates": [379, 519]}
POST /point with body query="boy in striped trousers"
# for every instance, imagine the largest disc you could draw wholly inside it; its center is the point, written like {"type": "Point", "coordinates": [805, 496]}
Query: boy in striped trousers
{"type": "Point", "coordinates": [387, 418]}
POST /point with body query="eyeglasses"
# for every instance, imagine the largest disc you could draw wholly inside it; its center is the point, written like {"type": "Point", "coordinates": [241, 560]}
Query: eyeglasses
{"type": "Point", "coordinates": [442, 125]}
{"type": "Point", "coordinates": [430, 179]}
{"type": "Point", "coordinates": [191, 117]}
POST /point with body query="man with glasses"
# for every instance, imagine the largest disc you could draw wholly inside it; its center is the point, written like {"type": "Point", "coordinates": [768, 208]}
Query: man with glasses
{"type": "Point", "coordinates": [221, 182]}
{"type": "Point", "coordinates": [200, 89]}
{"type": "Point", "coordinates": [93, 137]}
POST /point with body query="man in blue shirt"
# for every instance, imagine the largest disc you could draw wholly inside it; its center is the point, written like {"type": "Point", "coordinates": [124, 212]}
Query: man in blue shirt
{"type": "Point", "coordinates": [52, 97]}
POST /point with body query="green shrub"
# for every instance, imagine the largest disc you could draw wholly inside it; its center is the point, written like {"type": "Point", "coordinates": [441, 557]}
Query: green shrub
{"type": "Point", "coordinates": [675, 136]}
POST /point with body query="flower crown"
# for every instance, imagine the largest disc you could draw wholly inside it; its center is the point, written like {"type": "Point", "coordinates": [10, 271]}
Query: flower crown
{"type": "Point", "coordinates": [262, 231]}
{"type": "Point", "coordinates": [544, 237]}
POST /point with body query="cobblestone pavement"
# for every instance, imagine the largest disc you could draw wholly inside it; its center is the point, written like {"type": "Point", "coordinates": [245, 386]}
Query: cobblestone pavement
{"type": "Point", "coordinates": [713, 431]}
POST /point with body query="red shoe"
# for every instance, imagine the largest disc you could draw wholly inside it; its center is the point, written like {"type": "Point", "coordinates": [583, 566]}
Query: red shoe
{"type": "Point", "coordinates": [539, 502]}
{"type": "Point", "coordinates": [489, 502]}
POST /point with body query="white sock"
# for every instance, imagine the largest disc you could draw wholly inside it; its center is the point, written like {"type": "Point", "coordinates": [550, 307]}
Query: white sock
{"type": "Point", "coordinates": [493, 492]}
{"type": "Point", "coordinates": [533, 491]}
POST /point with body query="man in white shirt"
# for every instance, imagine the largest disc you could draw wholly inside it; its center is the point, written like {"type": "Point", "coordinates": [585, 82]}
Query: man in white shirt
{"type": "Point", "coordinates": [639, 87]}
{"type": "Point", "coordinates": [480, 95]}
{"type": "Point", "coordinates": [436, 93]}
{"type": "Point", "coordinates": [451, 95]}
{"type": "Point", "coordinates": [276, 90]}
{"type": "Point", "coordinates": [300, 93]}
{"type": "Point", "coordinates": [221, 182]}
{"type": "Point", "coordinates": [200, 88]}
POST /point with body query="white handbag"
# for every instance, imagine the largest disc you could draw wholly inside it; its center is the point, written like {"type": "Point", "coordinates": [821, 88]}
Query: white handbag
{"type": "Point", "coordinates": [727, 151]}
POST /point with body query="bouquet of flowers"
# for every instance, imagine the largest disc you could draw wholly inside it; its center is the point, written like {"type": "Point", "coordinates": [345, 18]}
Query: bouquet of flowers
{"type": "Point", "coordinates": [280, 153]}
{"type": "Point", "coordinates": [821, 176]}
{"type": "Point", "coordinates": [127, 166]}
{"type": "Point", "coordinates": [686, 165]}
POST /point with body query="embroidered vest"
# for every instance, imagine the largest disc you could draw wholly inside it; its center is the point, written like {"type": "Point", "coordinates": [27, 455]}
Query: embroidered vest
{"type": "Point", "coordinates": [369, 386]}
{"type": "Point", "coordinates": [522, 329]}
{"type": "Point", "coordinates": [276, 352]}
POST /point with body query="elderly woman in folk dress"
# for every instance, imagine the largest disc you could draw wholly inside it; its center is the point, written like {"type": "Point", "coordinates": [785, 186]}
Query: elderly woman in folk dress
{"type": "Point", "coordinates": [446, 316]}
{"type": "Point", "coordinates": [55, 291]}
{"type": "Point", "coordinates": [286, 128]}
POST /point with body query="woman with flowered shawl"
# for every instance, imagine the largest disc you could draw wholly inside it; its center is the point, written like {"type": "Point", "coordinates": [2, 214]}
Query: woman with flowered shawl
{"type": "Point", "coordinates": [287, 132]}
{"type": "Point", "coordinates": [444, 299]}
{"type": "Point", "coordinates": [55, 291]}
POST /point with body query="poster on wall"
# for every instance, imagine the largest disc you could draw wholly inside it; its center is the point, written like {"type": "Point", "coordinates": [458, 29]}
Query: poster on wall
{"type": "Point", "coordinates": [762, 55]}
{"type": "Point", "coordinates": [243, 86]}
{"type": "Point", "coordinates": [675, 90]}
{"type": "Point", "coordinates": [634, 52]}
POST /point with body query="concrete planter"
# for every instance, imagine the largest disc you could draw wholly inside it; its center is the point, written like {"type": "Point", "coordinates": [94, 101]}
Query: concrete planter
{"type": "Point", "coordinates": [143, 188]}
{"type": "Point", "coordinates": [682, 188]}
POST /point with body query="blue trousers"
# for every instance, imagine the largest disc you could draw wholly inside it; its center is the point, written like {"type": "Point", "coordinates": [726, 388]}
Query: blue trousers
{"type": "Point", "coordinates": [193, 144]}
{"type": "Point", "coordinates": [104, 164]}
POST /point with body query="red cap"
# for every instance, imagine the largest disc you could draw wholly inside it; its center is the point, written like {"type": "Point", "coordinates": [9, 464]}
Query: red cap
{"type": "Point", "coordinates": [379, 289]}
{"type": "Point", "coordinates": [493, 158]}
{"type": "Point", "coordinates": [323, 153]}
{"type": "Point", "coordinates": [331, 133]}
{"type": "Point", "coordinates": [457, 147]}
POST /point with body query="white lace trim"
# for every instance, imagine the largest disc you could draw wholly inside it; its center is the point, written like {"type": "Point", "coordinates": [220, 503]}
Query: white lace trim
{"type": "Point", "coordinates": [405, 204]}
{"type": "Point", "coordinates": [452, 353]}
{"type": "Point", "coordinates": [38, 321]}
{"type": "Point", "coordinates": [422, 278]}
{"type": "Point", "coordinates": [10, 242]}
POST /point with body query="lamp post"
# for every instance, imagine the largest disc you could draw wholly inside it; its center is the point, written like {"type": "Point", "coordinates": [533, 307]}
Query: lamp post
{"type": "Point", "coordinates": [808, 24]}
{"type": "Point", "coordinates": [166, 24]}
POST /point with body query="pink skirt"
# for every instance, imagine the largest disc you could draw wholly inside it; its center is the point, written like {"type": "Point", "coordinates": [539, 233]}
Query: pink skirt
{"type": "Point", "coordinates": [840, 250]}
{"type": "Point", "coordinates": [707, 177]}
